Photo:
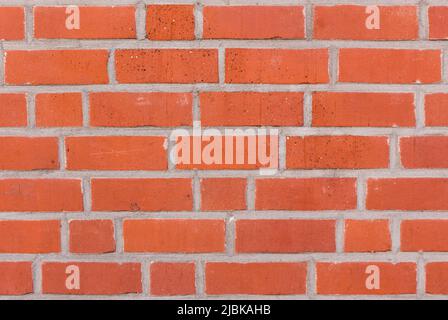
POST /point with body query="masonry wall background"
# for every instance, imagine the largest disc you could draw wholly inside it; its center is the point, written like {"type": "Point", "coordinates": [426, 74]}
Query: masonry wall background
{"type": "Point", "coordinates": [85, 180]}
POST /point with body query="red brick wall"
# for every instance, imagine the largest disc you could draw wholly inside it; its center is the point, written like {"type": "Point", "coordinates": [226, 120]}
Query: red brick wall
{"type": "Point", "coordinates": [353, 198]}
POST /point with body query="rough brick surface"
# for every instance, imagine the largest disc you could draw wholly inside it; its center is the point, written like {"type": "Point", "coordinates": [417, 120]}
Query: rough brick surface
{"type": "Point", "coordinates": [13, 111]}
{"type": "Point", "coordinates": [170, 279]}
{"type": "Point", "coordinates": [97, 23]}
{"type": "Point", "coordinates": [56, 67]}
{"type": "Point", "coordinates": [255, 278]}
{"type": "Point", "coordinates": [92, 236]}
{"type": "Point", "coordinates": [276, 66]}
{"type": "Point", "coordinates": [170, 22]}
{"type": "Point", "coordinates": [101, 278]}
{"type": "Point", "coordinates": [16, 278]}
{"type": "Point", "coordinates": [390, 66]}
{"type": "Point", "coordinates": [12, 23]}
{"type": "Point", "coordinates": [254, 22]}
{"type": "Point", "coordinates": [223, 149]}
{"type": "Point", "coordinates": [350, 278]}
{"type": "Point", "coordinates": [343, 21]}
{"type": "Point", "coordinates": [59, 110]}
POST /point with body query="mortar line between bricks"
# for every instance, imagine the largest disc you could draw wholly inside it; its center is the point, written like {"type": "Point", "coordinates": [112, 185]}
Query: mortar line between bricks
{"type": "Point", "coordinates": [287, 131]}
{"type": "Point", "coordinates": [333, 61]}
{"type": "Point", "coordinates": [395, 226]}
{"type": "Point", "coordinates": [244, 215]}
{"type": "Point", "coordinates": [242, 258]}
{"type": "Point", "coordinates": [419, 106]}
{"type": "Point", "coordinates": [250, 194]}
{"type": "Point", "coordinates": [423, 24]}
{"type": "Point", "coordinates": [222, 65]}
{"type": "Point", "coordinates": [86, 194]}
{"type": "Point", "coordinates": [31, 111]}
{"type": "Point", "coordinates": [146, 278]}
{"type": "Point", "coordinates": [309, 17]}
{"type": "Point", "coordinates": [311, 282]}
{"type": "Point", "coordinates": [160, 87]}
{"type": "Point", "coordinates": [230, 236]}
{"type": "Point", "coordinates": [198, 21]}
{"type": "Point", "coordinates": [421, 277]}
{"type": "Point", "coordinates": [140, 20]}
{"type": "Point", "coordinates": [361, 192]}
{"type": "Point", "coordinates": [394, 154]}
{"type": "Point", "coordinates": [29, 23]}
{"type": "Point", "coordinates": [200, 278]}
{"type": "Point", "coordinates": [282, 140]}
{"type": "Point", "coordinates": [308, 109]}
{"type": "Point", "coordinates": [445, 65]}
{"type": "Point", "coordinates": [196, 106]}
{"type": "Point", "coordinates": [111, 67]}
{"type": "Point", "coordinates": [328, 173]}
{"type": "Point", "coordinates": [61, 154]}
{"type": "Point", "coordinates": [118, 234]}
{"type": "Point", "coordinates": [37, 275]}
{"type": "Point", "coordinates": [64, 236]}
{"type": "Point", "coordinates": [214, 44]}
{"type": "Point", "coordinates": [340, 233]}
{"type": "Point", "coordinates": [85, 108]}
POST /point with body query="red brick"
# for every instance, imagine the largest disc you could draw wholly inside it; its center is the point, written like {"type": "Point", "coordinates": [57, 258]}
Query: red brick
{"type": "Point", "coordinates": [276, 66]}
{"type": "Point", "coordinates": [33, 236]}
{"type": "Point", "coordinates": [116, 153]}
{"type": "Point", "coordinates": [24, 153]}
{"type": "Point", "coordinates": [174, 235]}
{"type": "Point", "coordinates": [46, 67]}
{"type": "Point", "coordinates": [424, 152]}
{"type": "Point", "coordinates": [363, 109]}
{"type": "Point", "coordinates": [367, 236]}
{"type": "Point", "coordinates": [305, 194]}
{"type": "Point", "coordinates": [219, 194]}
{"type": "Point", "coordinates": [348, 22]}
{"type": "Point", "coordinates": [95, 23]}
{"type": "Point", "coordinates": [285, 236]}
{"type": "Point", "coordinates": [16, 278]}
{"type": "Point", "coordinates": [436, 109]}
{"type": "Point", "coordinates": [267, 278]}
{"type": "Point", "coordinates": [59, 110]}
{"type": "Point", "coordinates": [101, 278]}
{"type": "Point", "coordinates": [424, 235]}
{"type": "Point", "coordinates": [40, 195]}
{"type": "Point", "coordinates": [254, 22]}
{"type": "Point", "coordinates": [166, 65]}
{"type": "Point", "coordinates": [170, 22]}
{"type": "Point", "coordinates": [251, 109]}
{"type": "Point", "coordinates": [170, 279]}
{"type": "Point", "coordinates": [337, 152]}
{"type": "Point", "coordinates": [237, 152]}
{"type": "Point", "coordinates": [350, 278]}
{"type": "Point", "coordinates": [13, 110]}
{"type": "Point", "coordinates": [142, 194]}
{"type": "Point", "coordinates": [407, 194]}
{"type": "Point", "coordinates": [12, 23]}
{"type": "Point", "coordinates": [437, 278]}
{"type": "Point", "coordinates": [389, 66]}
{"type": "Point", "coordinates": [135, 109]}
{"type": "Point", "coordinates": [437, 17]}
{"type": "Point", "coordinates": [92, 236]}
